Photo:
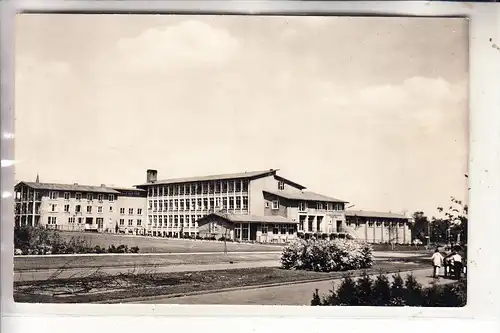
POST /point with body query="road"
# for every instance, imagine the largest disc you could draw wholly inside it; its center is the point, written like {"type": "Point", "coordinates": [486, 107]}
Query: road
{"type": "Point", "coordinates": [293, 294]}
{"type": "Point", "coordinates": [36, 268]}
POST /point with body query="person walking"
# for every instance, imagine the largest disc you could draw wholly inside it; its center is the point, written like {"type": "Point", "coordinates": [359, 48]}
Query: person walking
{"type": "Point", "coordinates": [437, 261]}
{"type": "Point", "coordinates": [457, 265]}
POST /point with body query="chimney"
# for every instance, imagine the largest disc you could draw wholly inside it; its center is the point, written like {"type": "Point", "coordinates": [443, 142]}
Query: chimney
{"type": "Point", "coordinates": [75, 183]}
{"type": "Point", "coordinates": [151, 176]}
{"type": "Point", "coordinates": [103, 185]}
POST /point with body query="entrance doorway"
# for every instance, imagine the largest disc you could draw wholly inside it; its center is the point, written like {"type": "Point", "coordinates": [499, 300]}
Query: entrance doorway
{"type": "Point", "coordinates": [339, 226]}
{"type": "Point", "coordinates": [253, 232]}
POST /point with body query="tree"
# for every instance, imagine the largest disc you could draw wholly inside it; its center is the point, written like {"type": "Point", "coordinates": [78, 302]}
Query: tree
{"type": "Point", "coordinates": [420, 226]}
{"type": "Point", "coordinates": [456, 219]}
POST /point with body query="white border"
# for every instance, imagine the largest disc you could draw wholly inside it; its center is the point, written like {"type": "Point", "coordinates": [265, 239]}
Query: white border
{"type": "Point", "coordinates": [484, 295]}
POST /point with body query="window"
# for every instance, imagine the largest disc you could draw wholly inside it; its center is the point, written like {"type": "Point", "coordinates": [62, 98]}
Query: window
{"type": "Point", "coordinates": [267, 204]}
{"type": "Point", "coordinates": [210, 188]}
{"type": "Point", "coordinates": [122, 211]}
{"type": "Point", "coordinates": [348, 223]}
{"type": "Point", "coordinates": [211, 202]}
{"type": "Point", "coordinates": [188, 189]}
{"type": "Point", "coordinates": [165, 206]}
{"type": "Point", "coordinates": [66, 208]}
{"type": "Point", "coordinates": [53, 208]}
{"type": "Point", "coordinates": [66, 195]}
{"type": "Point", "coordinates": [71, 220]}
{"type": "Point", "coordinates": [160, 221]}
{"type": "Point", "coordinates": [130, 222]}
{"type": "Point", "coordinates": [231, 186]}
{"type": "Point", "coordinates": [238, 202]}
{"type": "Point", "coordinates": [302, 206]}
{"type": "Point", "coordinates": [78, 196]}
{"type": "Point", "coordinates": [78, 208]}
{"type": "Point", "coordinates": [139, 222]}
{"type": "Point", "coordinates": [276, 229]}
{"type": "Point", "coordinates": [245, 186]}
{"type": "Point", "coordinates": [276, 204]}
{"type": "Point", "coordinates": [122, 222]}
{"type": "Point", "coordinates": [205, 203]}
{"type": "Point", "coordinates": [329, 206]}
{"type": "Point", "coordinates": [401, 224]}
{"type": "Point", "coordinates": [217, 202]}
{"type": "Point", "coordinates": [110, 209]}
{"type": "Point", "coordinates": [181, 204]}
{"type": "Point", "coordinates": [80, 220]}
{"type": "Point", "coordinates": [237, 185]}
{"type": "Point", "coordinates": [52, 220]}
{"type": "Point", "coordinates": [193, 204]}
{"type": "Point", "coordinates": [139, 211]}
{"type": "Point", "coordinates": [53, 195]}
{"type": "Point", "coordinates": [100, 197]}
{"type": "Point", "coordinates": [171, 205]}
{"type": "Point", "coordinates": [89, 209]}
{"type": "Point", "coordinates": [378, 223]}
{"type": "Point", "coordinates": [320, 206]}
{"type": "Point", "coordinates": [264, 229]}
{"type": "Point", "coordinates": [89, 196]}
{"type": "Point", "coordinates": [176, 204]}
{"type": "Point", "coordinates": [130, 211]}
{"type": "Point", "coordinates": [217, 187]}
{"type": "Point", "coordinates": [370, 223]}
{"type": "Point", "coordinates": [181, 190]}
{"type": "Point", "coordinates": [231, 203]}
{"type": "Point", "coordinates": [224, 187]}
{"type": "Point", "coordinates": [155, 206]}
{"type": "Point", "coordinates": [292, 228]}
{"type": "Point", "coordinates": [99, 209]}
{"type": "Point", "coordinates": [111, 197]}
{"type": "Point", "coordinates": [283, 229]}
{"type": "Point", "coordinates": [193, 220]}
{"type": "Point", "coordinates": [176, 221]}
{"type": "Point", "coordinates": [281, 185]}
{"type": "Point", "coordinates": [224, 202]}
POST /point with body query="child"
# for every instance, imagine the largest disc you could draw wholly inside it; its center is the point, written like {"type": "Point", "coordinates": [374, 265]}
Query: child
{"type": "Point", "coordinates": [437, 261]}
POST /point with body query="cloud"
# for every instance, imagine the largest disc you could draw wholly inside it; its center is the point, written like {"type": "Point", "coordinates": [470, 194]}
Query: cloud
{"type": "Point", "coordinates": [186, 44]}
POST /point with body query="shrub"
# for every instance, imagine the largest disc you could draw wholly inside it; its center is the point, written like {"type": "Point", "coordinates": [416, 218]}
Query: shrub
{"type": "Point", "coordinates": [327, 255]}
{"type": "Point", "coordinates": [367, 292]}
{"type": "Point", "coordinates": [134, 249]}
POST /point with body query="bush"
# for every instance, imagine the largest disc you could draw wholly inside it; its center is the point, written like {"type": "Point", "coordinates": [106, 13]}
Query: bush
{"type": "Point", "coordinates": [327, 255]}
{"type": "Point", "coordinates": [380, 292]}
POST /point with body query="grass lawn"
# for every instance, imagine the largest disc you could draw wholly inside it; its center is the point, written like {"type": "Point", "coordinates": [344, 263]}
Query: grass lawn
{"type": "Point", "coordinates": [165, 245]}
{"type": "Point", "coordinates": [112, 288]}
{"type": "Point", "coordinates": [23, 263]}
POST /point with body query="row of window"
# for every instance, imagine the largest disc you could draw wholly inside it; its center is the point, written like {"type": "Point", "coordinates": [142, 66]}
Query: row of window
{"type": "Point", "coordinates": [99, 221]}
{"type": "Point", "coordinates": [78, 196]}
{"type": "Point", "coordinates": [174, 220]}
{"type": "Point", "coordinates": [198, 204]}
{"type": "Point", "coordinates": [78, 209]}
{"type": "Point", "coordinates": [130, 222]}
{"type": "Point", "coordinates": [378, 224]}
{"type": "Point", "coordinates": [304, 205]}
{"type": "Point", "coordinates": [230, 186]}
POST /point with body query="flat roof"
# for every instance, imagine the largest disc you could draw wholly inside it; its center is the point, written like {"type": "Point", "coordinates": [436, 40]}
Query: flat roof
{"type": "Point", "coordinates": [305, 196]}
{"type": "Point", "coordinates": [363, 213]}
{"type": "Point", "coordinates": [69, 187]}
{"type": "Point", "coordinates": [246, 174]}
{"type": "Point", "coordinates": [240, 218]}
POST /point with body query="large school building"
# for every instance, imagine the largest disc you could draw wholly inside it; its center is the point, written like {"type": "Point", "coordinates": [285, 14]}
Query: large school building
{"type": "Point", "coordinates": [257, 206]}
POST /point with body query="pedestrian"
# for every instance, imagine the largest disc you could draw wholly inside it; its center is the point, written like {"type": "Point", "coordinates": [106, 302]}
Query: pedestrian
{"type": "Point", "coordinates": [457, 265]}
{"type": "Point", "coordinates": [437, 261]}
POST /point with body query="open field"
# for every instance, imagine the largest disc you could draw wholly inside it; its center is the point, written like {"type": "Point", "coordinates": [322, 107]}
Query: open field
{"type": "Point", "coordinates": [148, 244]}
{"type": "Point", "coordinates": [100, 287]}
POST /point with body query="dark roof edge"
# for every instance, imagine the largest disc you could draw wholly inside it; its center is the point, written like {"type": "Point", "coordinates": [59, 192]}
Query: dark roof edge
{"type": "Point", "coordinates": [302, 187]}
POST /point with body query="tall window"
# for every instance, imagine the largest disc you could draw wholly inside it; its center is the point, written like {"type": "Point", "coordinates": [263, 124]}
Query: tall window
{"type": "Point", "coordinates": [165, 205]}
{"type": "Point", "coordinates": [110, 209]}
{"type": "Point", "coordinates": [181, 204]}
{"type": "Point", "coordinates": [89, 209]}
{"type": "Point", "coordinates": [217, 202]}
{"type": "Point", "coordinates": [100, 197]}
{"type": "Point", "coordinates": [181, 189]}
{"type": "Point", "coordinates": [204, 187]}
{"type": "Point", "coordinates": [139, 211]}
{"type": "Point", "coordinates": [302, 206]}
{"type": "Point", "coordinates": [89, 196]}
{"type": "Point", "coordinates": [245, 186]}
{"type": "Point", "coordinates": [205, 203]}
{"type": "Point", "coordinates": [264, 229]}
{"type": "Point", "coordinates": [78, 208]}
{"type": "Point", "coordinates": [66, 208]}
{"type": "Point", "coordinates": [224, 202]}
{"type": "Point", "coordinates": [122, 221]}
{"type": "Point", "coordinates": [99, 209]}
{"type": "Point", "coordinates": [231, 186]}
{"type": "Point", "coordinates": [212, 200]}
{"type": "Point", "coordinates": [231, 203]}
{"type": "Point", "coordinates": [139, 222]}
{"type": "Point", "coordinates": [53, 208]}
{"type": "Point", "coordinates": [52, 220]}
{"type": "Point", "coordinates": [237, 186]}
{"type": "Point", "coordinates": [160, 206]}
{"type": "Point", "coordinates": [122, 210]}
{"type": "Point", "coordinates": [188, 204]}
{"type": "Point", "coordinates": [53, 195]}
{"type": "Point", "coordinates": [276, 204]}
{"type": "Point", "coordinates": [66, 195]}
{"type": "Point", "coordinates": [224, 187]}
{"type": "Point", "coordinates": [199, 204]}
{"type": "Point", "coordinates": [160, 221]}
{"type": "Point", "coordinates": [193, 220]}
{"type": "Point", "coordinates": [238, 202]}
{"type": "Point", "coordinates": [245, 202]}
{"type": "Point", "coordinates": [111, 197]}
{"type": "Point", "coordinates": [217, 187]}
{"type": "Point", "coordinates": [78, 196]}
{"type": "Point", "coordinates": [210, 188]}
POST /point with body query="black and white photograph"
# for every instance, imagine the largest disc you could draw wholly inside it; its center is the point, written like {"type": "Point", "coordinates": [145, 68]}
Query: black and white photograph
{"type": "Point", "coordinates": [241, 160]}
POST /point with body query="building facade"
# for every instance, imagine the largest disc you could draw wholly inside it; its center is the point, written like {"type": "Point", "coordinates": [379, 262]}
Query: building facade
{"type": "Point", "coordinates": [377, 227]}
{"type": "Point", "coordinates": [259, 206]}
{"type": "Point", "coordinates": [80, 207]}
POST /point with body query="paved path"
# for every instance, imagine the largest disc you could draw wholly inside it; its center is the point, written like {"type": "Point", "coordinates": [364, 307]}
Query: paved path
{"type": "Point", "coordinates": [294, 294]}
{"type": "Point", "coordinates": [36, 268]}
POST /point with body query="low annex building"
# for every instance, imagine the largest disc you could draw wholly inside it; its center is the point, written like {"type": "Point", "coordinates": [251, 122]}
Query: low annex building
{"type": "Point", "coordinates": [257, 206]}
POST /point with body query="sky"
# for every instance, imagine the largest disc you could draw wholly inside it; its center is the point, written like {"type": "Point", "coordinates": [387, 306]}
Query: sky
{"type": "Point", "coordinates": [370, 110]}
